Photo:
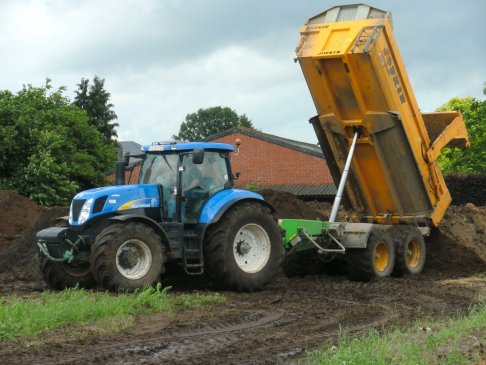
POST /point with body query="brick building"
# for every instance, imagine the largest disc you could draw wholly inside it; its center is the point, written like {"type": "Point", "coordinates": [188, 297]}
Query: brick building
{"type": "Point", "coordinates": [269, 161]}
{"type": "Point", "coordinates": [264, 161]}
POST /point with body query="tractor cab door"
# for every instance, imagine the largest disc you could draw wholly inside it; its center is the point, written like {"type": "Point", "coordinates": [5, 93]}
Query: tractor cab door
{"type": "Point", "coordinates": [161, 169]}
{"type": "Point", "coordinates": [200, 181]}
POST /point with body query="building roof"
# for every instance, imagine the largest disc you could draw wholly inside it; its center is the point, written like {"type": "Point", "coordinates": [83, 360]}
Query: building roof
{"type": "Point", "coordinates": [306, 190]}
{"type": "Point", "coordinates": [132, 148]}
{"type": "Point", "coordinates": [309, 148]}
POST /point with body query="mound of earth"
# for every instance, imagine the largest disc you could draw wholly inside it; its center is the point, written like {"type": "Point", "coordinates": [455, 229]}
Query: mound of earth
{"type": "Point", "coordinates": [466, 224]}
{"type": "Point", "coordinates": [17, 213]}
{"type": "Point", "coordinates": [459, 244]}
{"type": "Point", "coordinates": [18, 257]}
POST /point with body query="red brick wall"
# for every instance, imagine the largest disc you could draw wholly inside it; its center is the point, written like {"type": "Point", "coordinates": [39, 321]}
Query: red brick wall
{"type": "Point", "coordinates": [128, 180]}
{"type": "Point", "coordinates": [267, 163]}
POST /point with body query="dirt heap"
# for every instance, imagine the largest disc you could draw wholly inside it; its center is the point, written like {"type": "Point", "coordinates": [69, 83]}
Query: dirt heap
{"type": "Point", "coordinates": [18, 255]}
{"type": "Point", "coordinates": [17, 213]}
{"type": "Point", "coordinates": [459, 244]}
{"type": "Point", "coordinates": [466, 224]}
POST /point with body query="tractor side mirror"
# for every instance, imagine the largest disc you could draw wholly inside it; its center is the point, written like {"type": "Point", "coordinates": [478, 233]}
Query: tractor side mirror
{"type": "Point", "coordinates": [198, 156]}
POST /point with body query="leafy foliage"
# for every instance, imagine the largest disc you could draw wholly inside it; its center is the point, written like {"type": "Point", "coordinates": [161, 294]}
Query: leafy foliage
{"type": "Point", "coordinates": [206, 122]}
{"type": "Point", "coordinates": [48, 149]}
{"type": "Point", "coordinates": [470, 160]}
{"type": "Point", "coordinates": [94, 99]}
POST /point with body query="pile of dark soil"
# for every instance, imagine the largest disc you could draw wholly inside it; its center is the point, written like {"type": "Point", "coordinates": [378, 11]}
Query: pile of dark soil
{"type": "Point", "coordinates": [459, 244]}
{"type": "Point", "coordinates": [18, 257]}
{"type": "Point", "coordinates": [290, 206]}
{"type": "Point", "coordinates": [17, 213]}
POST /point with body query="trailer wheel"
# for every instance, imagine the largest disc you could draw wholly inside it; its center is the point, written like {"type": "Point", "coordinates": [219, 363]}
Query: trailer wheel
{"type": "Point", "coordinates": [377, 260]}
{"type": "Point", "coordinates": [242, 250]}
{"type": "Point", "coordinates": [61, 275]}
{"type": "Point", "coordinates": [409, 251]}
{"type": "Point", "coordinates": [127, 256]}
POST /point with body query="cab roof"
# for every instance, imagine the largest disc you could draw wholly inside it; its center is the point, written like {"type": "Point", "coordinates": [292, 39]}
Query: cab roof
{"type": "Point", "coordinates": [186, 146]}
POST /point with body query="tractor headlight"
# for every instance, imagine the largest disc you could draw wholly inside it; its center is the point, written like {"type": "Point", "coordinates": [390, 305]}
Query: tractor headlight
{"type": "Point", "coordinates": [85, 210]}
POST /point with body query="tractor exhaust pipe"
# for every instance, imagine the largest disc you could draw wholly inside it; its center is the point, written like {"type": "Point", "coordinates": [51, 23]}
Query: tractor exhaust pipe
{"type": "Point", "coordinates": [120, 173]}
{"type": "Point", "coordinates": [120, 167]}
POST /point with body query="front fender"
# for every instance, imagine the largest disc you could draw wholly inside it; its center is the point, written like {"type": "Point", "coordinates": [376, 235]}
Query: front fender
{"type": "Point", "coordinates": [142, 219]}
{"type": "Point", "coordinates": [220, 202]}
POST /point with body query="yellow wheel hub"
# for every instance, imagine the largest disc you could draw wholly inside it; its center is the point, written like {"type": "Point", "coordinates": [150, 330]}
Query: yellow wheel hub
{"type": "Point", "coordinates": [381, 256]}
{"type": "Point", "coordinates": [413, 253]}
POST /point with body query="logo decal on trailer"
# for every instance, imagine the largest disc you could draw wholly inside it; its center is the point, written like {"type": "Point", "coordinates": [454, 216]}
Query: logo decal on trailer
{"type": "Point", "coordinates": [390, 67]}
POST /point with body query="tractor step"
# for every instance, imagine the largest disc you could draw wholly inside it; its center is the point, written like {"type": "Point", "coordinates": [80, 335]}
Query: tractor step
{"type": "Point", "coordinates": [193, 261]}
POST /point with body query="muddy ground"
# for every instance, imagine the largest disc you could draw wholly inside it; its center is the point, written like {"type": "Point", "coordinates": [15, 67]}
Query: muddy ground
{"type": "Point", "coordinates": [276, 325]}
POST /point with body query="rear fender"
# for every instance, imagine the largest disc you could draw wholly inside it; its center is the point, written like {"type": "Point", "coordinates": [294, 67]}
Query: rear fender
{"type": "Point", "coordinates": [221, 202]}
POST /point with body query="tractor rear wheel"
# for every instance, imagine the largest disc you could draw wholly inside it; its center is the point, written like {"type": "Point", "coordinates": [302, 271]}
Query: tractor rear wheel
{"type": "Point", "coordinates": [61, 275]}
{"type": "Point", "coordinates": [242, 250]}
{"type": "Point", "coordinates": [127, 256]}
{"type": "Point", "coordinates": [410, 250]}
{"type": "Point", "coordinates": [376, 260]}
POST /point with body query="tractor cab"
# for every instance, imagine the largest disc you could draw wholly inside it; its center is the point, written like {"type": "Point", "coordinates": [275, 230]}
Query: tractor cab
{"type": "Point", "coordinates": [188, 175]}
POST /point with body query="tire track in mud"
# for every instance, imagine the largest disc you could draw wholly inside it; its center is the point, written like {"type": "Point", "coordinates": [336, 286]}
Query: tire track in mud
{"type": "Point", "coordinates": [175, 345]}
{"type": "Point", "coordinates": [276, 325]}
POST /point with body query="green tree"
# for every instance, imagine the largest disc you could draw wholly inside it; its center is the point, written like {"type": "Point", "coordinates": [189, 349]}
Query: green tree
{"type": "Point", "coordinates": [206, 122]}
{"type": "Point", "coordinates": [467, 160]}
{"type": "Point", "coordinates": [95, 100]}
{"type": "Point", "coordinates": [48, 149]}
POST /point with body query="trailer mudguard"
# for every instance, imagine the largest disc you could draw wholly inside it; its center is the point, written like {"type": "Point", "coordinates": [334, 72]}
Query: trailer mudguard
{"type": "Point", "coordinates": [220, 202]}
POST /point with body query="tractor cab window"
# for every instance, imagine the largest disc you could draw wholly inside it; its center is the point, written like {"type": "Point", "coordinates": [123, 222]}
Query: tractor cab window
{"type": "Point", "coordinates": [200, 181]}
{"type": "Point", "coordinates": [162, 169]}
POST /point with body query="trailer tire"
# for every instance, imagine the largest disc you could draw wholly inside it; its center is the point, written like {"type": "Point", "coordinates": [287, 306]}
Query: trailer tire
{"type": "Point", "coordinates": [61, 275]}
{"type": "Point", "coordinates": [242, 250]}
{"type": "Point", "coordinates": [127, 256]}
{"type": "Point", "coordinates": [376, 260]}
{"type": "Point", "coordinates": [410, 251]}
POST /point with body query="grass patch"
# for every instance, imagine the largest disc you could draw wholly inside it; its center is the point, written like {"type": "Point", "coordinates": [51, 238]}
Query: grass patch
{"type": "Point", "coordinates": [458, 340]}
{"type": "Point", "coordinates": [21, 317]}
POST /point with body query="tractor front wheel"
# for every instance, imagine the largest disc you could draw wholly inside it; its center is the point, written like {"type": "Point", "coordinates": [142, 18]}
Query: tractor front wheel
{"type": "Point", "coordinates": [61, 275]}
{"type": "Point", "coordinates": [127, 256]}
{"type": "Point", "coordinates": [242, 251]}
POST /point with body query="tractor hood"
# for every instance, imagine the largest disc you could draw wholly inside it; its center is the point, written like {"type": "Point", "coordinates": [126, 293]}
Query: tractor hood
{"type": "Point", "coordinates": [95, 202]}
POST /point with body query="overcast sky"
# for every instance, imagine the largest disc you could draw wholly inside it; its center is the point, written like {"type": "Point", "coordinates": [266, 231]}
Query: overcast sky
{"type": "Point", "coordinates": [163, 59]}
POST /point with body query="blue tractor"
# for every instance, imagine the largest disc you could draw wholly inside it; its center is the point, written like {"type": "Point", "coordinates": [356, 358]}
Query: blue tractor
{"type": "Point", "coordinates": [184, 209]}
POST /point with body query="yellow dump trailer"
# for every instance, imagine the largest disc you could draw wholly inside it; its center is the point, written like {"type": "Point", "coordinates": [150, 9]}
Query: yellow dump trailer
{"type": "Point", "coordinates": [380, 148]}
{"type": "Point", "coordinates": [358, 81]}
